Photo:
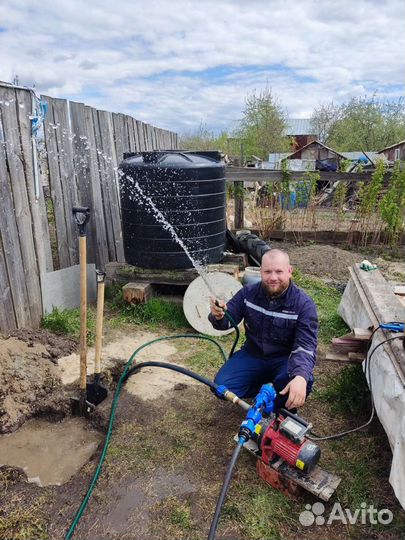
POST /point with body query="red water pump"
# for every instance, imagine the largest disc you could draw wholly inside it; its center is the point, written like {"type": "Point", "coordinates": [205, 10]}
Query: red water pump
{"type": "Point", "coordinates": [284, 437]}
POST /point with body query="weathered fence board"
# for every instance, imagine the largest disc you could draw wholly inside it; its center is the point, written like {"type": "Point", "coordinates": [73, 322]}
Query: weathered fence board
{"type": "Point", "coordinates": [134, 129]}
{"type": "Point", "coordinates": [120, 136]}
{"type": "Point", "coordinates": [84, 163]}
{"type": "Point", "coordinates": [8, 226]}
{"type": "Point", "coordinates": [7, 316]}
{"type": "Point", "coordinates": [56, 188]}
{"type": "Point", "coordinates": [36, 200]}
{"type": "Point", "coordinates": [97, 172]}
{"type": "Point", "coordinates": [133, 145]}
{"type": "Point", "coordinates": [111, 198]}
{"type": "Point", "coordinates": [141, 135]}
{"type": "Point", "coordinates": [83, 149]}
{"type": "Point", "coordinates": [67, 176]}
{"type": "Point", "coordinates": [15, 162]}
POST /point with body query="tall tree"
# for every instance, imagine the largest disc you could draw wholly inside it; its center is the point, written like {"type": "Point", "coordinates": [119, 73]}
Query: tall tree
{"type": "Point", "coordinates": [322, 120]}
{"type": "Point", "coordinates": [202, 138]}
{"type": "Point", "coordinates": [364, 123]}
{"type": "Point", "coordinates": [263, 124]}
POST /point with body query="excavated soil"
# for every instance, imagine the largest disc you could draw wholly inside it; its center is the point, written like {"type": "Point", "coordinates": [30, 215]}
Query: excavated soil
{"type": "Point", "coordinates": [30, 384]}
{"type": "Point", "coordinates": [331, 263]}
{"type": "Point", "coordinates": [56, 345]}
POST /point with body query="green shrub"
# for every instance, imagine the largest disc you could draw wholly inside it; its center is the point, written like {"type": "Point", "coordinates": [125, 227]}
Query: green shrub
{"type": "Point", "coordinates": [67, 321]}
{"type": "Point", "coordinates": [154, 313]}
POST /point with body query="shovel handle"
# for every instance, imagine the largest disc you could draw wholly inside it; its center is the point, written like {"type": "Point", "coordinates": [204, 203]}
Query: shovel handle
{"type": "Point", "coordinates": [81, 215]}
{"type": "Point", "coordinates": [99, 320]}
{"type": "Point", "coordinates": [83, 311]}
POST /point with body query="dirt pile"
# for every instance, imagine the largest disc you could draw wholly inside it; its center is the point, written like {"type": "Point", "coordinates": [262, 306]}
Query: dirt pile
{"type": "Point", "coordinates": [57, 345]}
{"type": "Point", "coordinates": [29, 383]}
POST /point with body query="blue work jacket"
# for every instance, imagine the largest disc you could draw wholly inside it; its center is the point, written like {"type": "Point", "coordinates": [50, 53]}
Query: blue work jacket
{"type": "Point", "coordinates": [276, 327]}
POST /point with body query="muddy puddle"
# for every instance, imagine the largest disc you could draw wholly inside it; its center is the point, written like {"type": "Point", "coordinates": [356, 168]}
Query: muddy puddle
{"type": "Point", "coordinates": [49, 453]}
{"type": "Point", "coordinates": [133, 501]}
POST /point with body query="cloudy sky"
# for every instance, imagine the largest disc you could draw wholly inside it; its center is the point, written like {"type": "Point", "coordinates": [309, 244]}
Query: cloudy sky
{"type": "Point", "coordinates": [175, 63]}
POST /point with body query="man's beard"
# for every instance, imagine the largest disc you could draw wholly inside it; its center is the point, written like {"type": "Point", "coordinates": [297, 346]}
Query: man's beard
{"type": "Point", "coordinates": [276, 291]}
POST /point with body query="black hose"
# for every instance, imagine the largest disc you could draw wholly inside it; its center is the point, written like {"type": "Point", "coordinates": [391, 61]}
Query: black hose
{"type": "Point", "coordinates": [222, 495]}
{"type": "Point", "coordinates": [173, 367]}
{"type": "Point", "coordinates": [124, 376]}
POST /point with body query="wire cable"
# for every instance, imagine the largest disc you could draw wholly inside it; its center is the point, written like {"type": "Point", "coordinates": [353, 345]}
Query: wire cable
{"type": "Point", "coordinates": [368, 376]}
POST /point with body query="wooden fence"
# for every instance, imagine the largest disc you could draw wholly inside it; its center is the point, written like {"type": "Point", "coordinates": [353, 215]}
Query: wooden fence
{"type": "Point", "coordinates": [78, 165]}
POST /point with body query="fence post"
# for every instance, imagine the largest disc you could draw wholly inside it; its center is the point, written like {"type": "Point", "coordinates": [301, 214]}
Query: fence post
{"type": "Point", "coordinates": [239, 205]}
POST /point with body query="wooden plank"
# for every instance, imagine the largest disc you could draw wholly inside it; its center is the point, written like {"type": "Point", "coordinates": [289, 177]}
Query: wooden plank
{"type": "Point", "coordinates": [97, 167]}
{"type": "Point", "coordinates": [79, 117]}
{"type": "Point", "coordinates": [104, 187]}
{"type": "Point", "coordinates": [8, 321]}
{"type": "Point", "coordinates": [56, 186]}
{"type": "Point", "coordinates": [106, 131]}
{"type": "Point", "coordinates": [118, 125]}
{"type": "Point", "coordinates": [363, 334]}
{"type": "Point", "coordinates": [125, 140]}
{"type": "Point", "coordinates": [158, 135]}
{"type": "Point", "coordinates": [239, 205]}
{"type": "Point", "coordinates": [328, 237]}
{"type": "Point", "coordinates": [357, 357]}
{"type": "Point", "coordinates": [154, 137]}
{"type": "Point", "coordinates": [136, 135]}
{"type": "Point", "coordinates": [37, 201]}
{"type": "Point", "coordinates": [16, 168]}
{"type": "Point", "coordinates": [141, 135]}
{"type": "Point", "coordinates": [123, 273]}
{"type": "Point", "coordinates": [137, 292]}
{"type": "Point", "coordinates": [8, 226]}
{"type": "Point", "coordinates": [131, 134]}
{"type": "Point", "coordinates": [67, 176]}
{"type": "Point", "coordinates": [250, 174]}
{"type": "Point", "coordinates": [148, 142]}
{"type": "Point", "coordinates": [399, 290]}
{"type": "Point", "coordinates": [149, 130]}
{"type": "Point", "coordinates": [386, 307]}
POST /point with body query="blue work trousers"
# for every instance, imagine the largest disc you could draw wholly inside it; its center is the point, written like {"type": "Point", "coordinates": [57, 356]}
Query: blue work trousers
{"type": "Point", "coordinates": [244, 374]}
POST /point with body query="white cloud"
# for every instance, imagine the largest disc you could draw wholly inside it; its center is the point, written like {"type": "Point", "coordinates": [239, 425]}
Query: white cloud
{"type": "Point", "coordinates": [177, 63]}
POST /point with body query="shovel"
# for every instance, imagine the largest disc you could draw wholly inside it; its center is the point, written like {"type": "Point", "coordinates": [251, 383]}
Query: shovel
{"type": "Point", "coordinates": [80, 405]}
{"type": "Point", "coordinates": [96, 392]}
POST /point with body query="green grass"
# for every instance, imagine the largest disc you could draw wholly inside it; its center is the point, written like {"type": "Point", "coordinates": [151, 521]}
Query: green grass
{"type": "Point", "coordinates": [180, 515]}
{"type": "Point", "coordinates": [24, 523]}
{"type": "Point", "coordinates": [67, 321]}
{"type": "Point", "coordinates": [154, 314]}
{"type": "Point", "coordinates": [259, 509]}
{"type": "Point", "coordinates": [347, 392]}
{"type": "Point", "coordinates": [327, 301]}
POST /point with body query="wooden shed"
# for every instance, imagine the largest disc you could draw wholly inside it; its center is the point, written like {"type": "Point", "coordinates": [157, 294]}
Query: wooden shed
{"type": "Point", "coordinates": [394, 152]}
{"type": "Point", "coordinates": [322, 156]}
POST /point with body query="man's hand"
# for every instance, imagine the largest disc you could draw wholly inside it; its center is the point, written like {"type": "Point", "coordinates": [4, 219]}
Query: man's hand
{"type": "Point", "coordinates": [297, 392]}
{"type": "Point", "coordinates": [218, 308]}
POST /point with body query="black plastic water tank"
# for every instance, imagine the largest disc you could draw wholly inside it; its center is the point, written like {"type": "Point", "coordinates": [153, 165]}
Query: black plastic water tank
{"type": "Point", "coordinates": [188, 188]}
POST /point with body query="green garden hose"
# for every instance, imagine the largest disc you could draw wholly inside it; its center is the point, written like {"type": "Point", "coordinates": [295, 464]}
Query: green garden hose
{"type": "Point", "coordinates": [124, 376]}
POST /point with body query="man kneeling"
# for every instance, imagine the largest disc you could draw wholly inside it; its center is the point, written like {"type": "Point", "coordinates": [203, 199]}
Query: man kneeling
{"type": "Point", "coordinates": [281, 325]}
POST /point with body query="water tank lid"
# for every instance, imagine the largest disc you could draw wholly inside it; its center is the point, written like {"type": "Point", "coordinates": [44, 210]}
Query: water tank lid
{"type": "Point", "coordinates": [181, 159]}
{"type": "Point", "coordinates": [196, 302]}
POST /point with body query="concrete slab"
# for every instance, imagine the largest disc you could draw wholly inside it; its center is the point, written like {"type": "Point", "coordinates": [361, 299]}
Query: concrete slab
{"type": "Point", "coordinates": [369, 300]}
{"type": "Point", "coordinates": [61, 289]}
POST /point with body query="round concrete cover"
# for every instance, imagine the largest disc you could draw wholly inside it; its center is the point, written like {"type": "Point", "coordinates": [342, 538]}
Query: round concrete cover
{"type": "Point", "coordinates": [196, 302]}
